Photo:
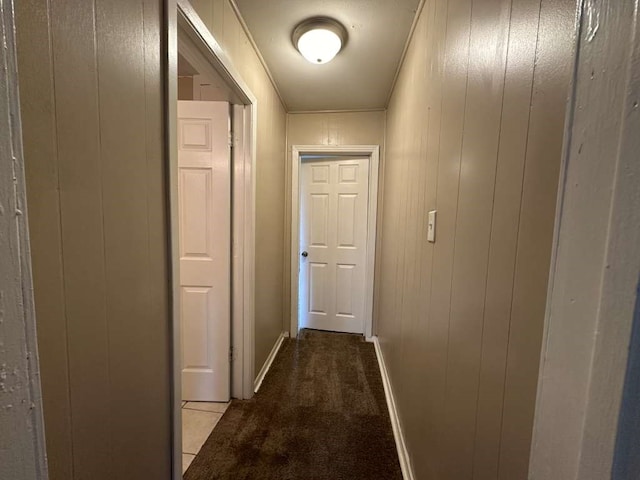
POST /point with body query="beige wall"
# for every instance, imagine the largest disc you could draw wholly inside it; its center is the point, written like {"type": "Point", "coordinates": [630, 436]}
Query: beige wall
{"type": "Point", "coordinates": [185, 88]}
{"type": "Point", "coordinates": [92, 110]}
{"type": "Point", "coordinates": [343, 128]}
{"type": "Point", "coordinates": [222, 21]}
{"type": "Point", "coordinates": [474, 130]}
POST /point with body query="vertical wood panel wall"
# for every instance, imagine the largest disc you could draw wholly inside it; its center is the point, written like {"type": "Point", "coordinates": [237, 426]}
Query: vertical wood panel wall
{"type": "Point", "coordinates": [92, 103]}
{"type": "Point", "coordinates": [474, 130]}
{"type": "Point", "coordinates": [221, 19]}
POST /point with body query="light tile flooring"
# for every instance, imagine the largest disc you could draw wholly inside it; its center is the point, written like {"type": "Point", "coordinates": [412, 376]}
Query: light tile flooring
{"type": "Point", "coordinates": [198, 421]}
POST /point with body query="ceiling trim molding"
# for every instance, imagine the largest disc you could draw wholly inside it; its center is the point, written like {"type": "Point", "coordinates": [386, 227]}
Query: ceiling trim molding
{"type": "Point", "coordinates": [236, 10]}
{"type": "Point", "coordinates": [404, 51]}
{"type": "Point", "coordinates": [351, 110]}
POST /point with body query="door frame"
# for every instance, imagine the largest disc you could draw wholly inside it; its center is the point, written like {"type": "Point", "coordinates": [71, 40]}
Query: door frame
{"type": "Point", "coordinates": [181, 18]}
{"type": "Point", "coordinates": [26, 456]}
{"type": "Point", "coordinates": [372, 152]}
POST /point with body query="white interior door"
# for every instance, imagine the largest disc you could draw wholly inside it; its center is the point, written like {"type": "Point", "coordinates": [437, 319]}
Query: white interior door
{"type": "Point", "coordinates": [205, 252]}
{"type": "Point", "coordinates": [333, 244]}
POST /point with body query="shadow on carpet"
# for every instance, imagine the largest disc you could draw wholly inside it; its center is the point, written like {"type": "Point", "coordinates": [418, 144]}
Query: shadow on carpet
{"type": "Point", "coordinates": [320, 414]}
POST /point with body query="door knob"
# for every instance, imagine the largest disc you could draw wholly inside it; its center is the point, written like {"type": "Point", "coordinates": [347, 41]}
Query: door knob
{"type": "Point", "coordinates": [305, 254]}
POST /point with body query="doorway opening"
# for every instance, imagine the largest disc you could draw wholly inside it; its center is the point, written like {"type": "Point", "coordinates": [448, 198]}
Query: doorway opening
{"type": "Point", "coordinates": [211, 140]}
{"type": "Point", "coordinates": [334, 212]}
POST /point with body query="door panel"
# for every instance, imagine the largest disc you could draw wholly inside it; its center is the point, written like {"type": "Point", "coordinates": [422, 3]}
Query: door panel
{"type": "Point", "coordinates": [319, 217]}
{"type": "Point", "coordinates": [195, 209]}
{"type": "Point", "coordinates": [204, 189]}
{"type": "Point", "coordinates": [320, 173]}
{"type": "Point", "coordinates": [344, 287]}
{"type": "Point", "coordinates": [346, 233]}
{"type": "Point", "coordinates": [318, 288]}
{"type": "Point", "coordinates": [197, 306]}
{"type": "Point", "coordinates": [333, 231]}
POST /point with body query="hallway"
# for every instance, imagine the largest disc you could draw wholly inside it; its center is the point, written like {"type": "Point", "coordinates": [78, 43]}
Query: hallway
{"type": "Point", "coordinates": [320, 414]}
{"type": "Point", "coordinates": [157, 262]}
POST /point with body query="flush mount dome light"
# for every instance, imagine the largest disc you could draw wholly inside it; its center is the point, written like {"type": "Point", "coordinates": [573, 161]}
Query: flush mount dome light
{"type": "Point", "coordinates": [319, 39]}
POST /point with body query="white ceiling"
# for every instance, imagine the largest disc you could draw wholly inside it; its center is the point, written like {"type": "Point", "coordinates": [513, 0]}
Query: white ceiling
{"type": "Point", "coordinates": [360, 77]}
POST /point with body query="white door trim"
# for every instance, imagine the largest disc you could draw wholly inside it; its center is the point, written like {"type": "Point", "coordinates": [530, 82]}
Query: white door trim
{"type": "Point", "coordinates": [585, 409]}
{"type": "Point", "coordinates": [372, 152]}
{"type": "Point", "coordinates": [25, 454]}
{"type": "Point", "coordinates": [181, 17]}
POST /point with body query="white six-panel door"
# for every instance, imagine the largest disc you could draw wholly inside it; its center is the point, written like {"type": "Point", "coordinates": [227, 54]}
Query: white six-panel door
{"type": "Point", "coordinates": [204, 202]}
{"type": "Point", "coordinates": [333, 244]}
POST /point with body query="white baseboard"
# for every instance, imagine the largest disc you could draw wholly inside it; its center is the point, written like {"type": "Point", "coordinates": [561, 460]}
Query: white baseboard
{"type": "Point", "coordinates": [403, 454]}
{"type": "Point", "coordinates": [267, 364]}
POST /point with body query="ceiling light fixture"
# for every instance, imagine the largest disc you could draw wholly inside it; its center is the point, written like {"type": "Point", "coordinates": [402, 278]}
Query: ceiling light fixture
{"type": "Point", "coordinates": [319, 39]}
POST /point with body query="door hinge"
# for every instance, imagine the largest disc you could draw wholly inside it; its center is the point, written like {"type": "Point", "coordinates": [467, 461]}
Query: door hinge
{"type": "Point", "coordinates": [231, 142]}
{"type": "Point", "coordinates": [230, 354]}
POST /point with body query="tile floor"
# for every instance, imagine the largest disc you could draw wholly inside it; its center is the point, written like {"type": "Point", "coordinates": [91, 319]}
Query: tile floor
{"type": "Point", "coordinates": [198, 421]}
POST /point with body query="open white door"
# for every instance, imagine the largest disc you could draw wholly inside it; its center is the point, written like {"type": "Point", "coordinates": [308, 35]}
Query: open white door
{"type": "Point", "coordinates": [333, 244]}
{"type": "Point", "coordinates": [204, 199]}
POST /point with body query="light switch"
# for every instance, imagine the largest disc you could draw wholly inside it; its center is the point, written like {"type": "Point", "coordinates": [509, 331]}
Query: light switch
{"type": "Point", "coordinates": [431, 227]}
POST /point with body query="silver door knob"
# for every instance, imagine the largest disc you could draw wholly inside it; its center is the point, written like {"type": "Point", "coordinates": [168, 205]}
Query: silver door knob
{"type": "Point", "coordinates": [305, 254]}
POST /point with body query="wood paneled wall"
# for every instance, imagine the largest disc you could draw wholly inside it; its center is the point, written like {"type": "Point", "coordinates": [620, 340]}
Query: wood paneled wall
{"type": "Point", "coordinates": [91, 85]}
{"type": "Point", "coordinates": [221, 19]}
{"type": "Point", "coordinates": [340, 128]}
{"type": "Point", "coordinates": [474, 130]}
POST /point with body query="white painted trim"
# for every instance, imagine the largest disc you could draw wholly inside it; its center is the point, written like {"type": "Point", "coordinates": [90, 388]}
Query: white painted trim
{"type": "Point", "coordinates": [180, 14]}
{"type": "Point", "coordinates": [403, 454]}
{"type": "Point", "coordinates": [23, 455]}
{"type": "Point", "coordinates": [237, 248]}
{"type": "Point", "coordinates": [267, 364]}
{"type": "Point", "coordinates": [249, 318]}
{"type": "Point", "coordinates": [372, 240]}
{"type": "Point", "coordinates": [373, 153]}
{"type": "Point", "coordinates": [171, 99]}
{"type": "Point", "coordinates": [242, 313]}
{"type": "Point", "coordinates": [581, 429]}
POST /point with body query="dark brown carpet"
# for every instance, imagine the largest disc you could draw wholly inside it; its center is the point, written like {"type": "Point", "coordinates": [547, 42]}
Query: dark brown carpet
{"type": "Point", "coordinates": [320, 414]}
